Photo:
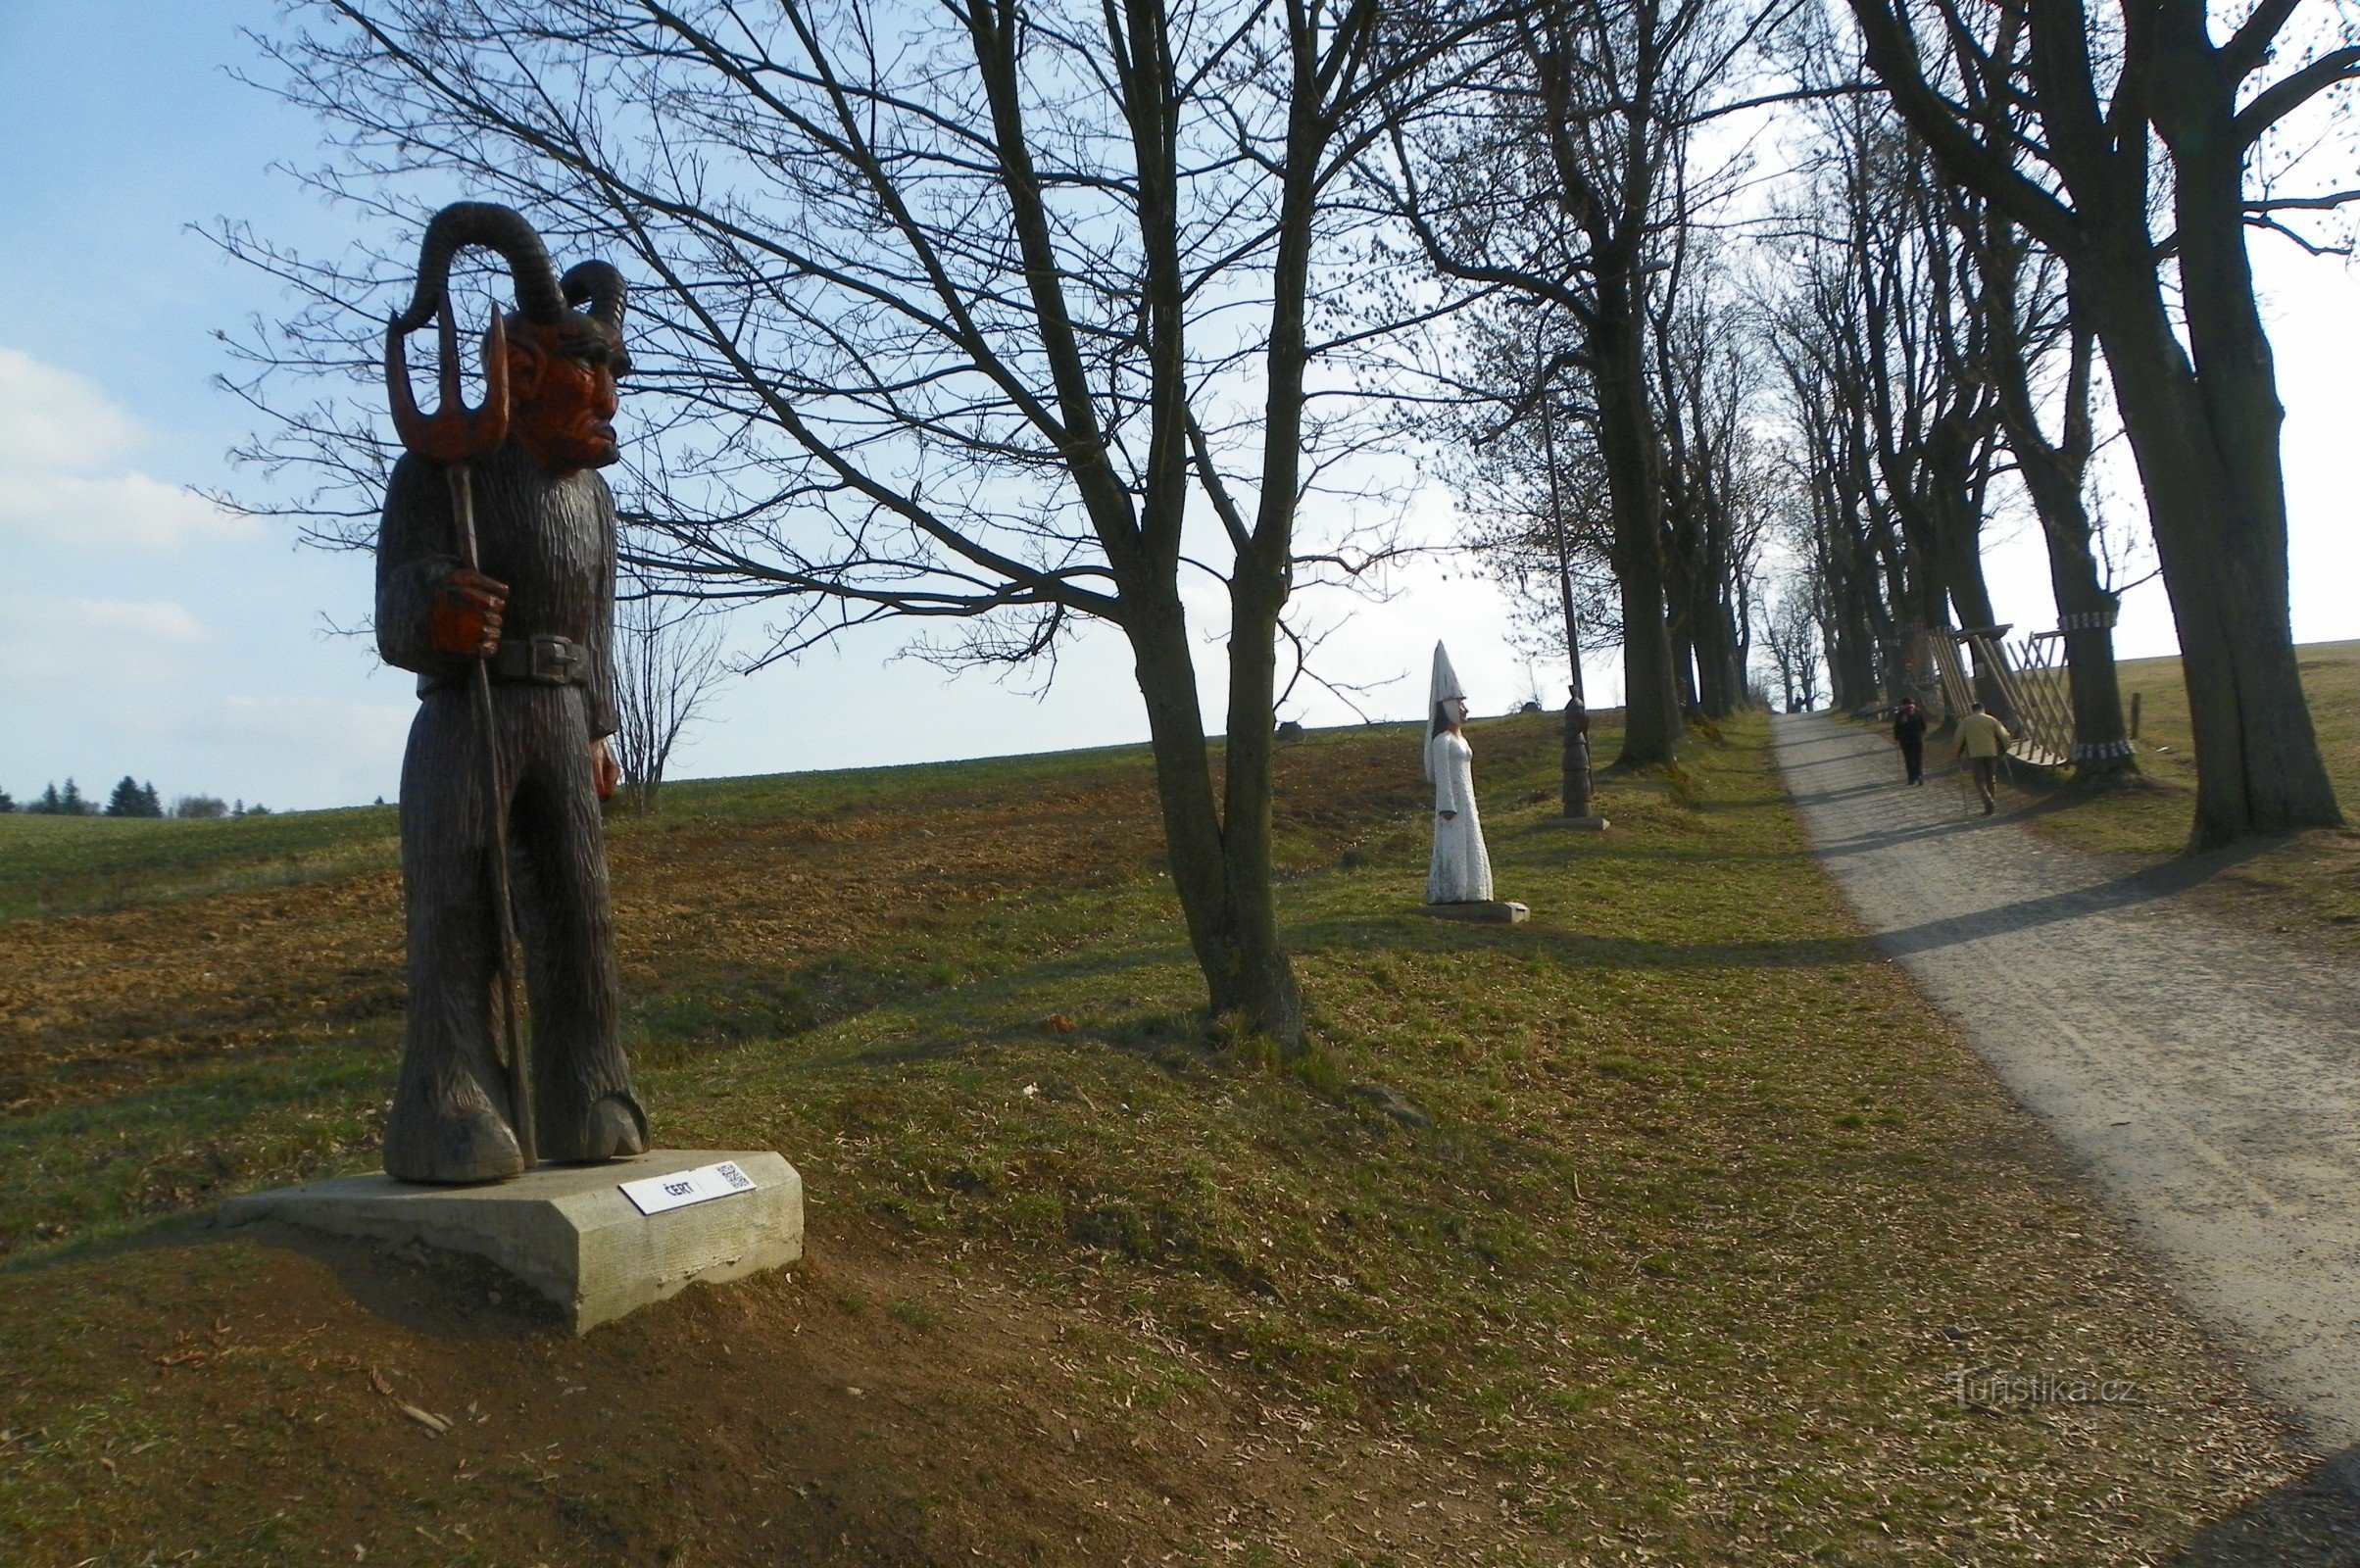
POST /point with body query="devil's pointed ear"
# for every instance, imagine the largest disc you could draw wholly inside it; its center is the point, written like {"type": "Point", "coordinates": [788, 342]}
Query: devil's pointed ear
{"type": "Point", "coordinates": [526, 361]}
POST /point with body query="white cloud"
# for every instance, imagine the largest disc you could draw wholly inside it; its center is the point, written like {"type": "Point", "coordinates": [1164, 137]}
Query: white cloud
{"type": "Point", "coordinates": [361, 733]}
{"type": "Point", "coordinates": [65, 476]}
{"type": "Point", "coordinates": [97, 650]}
{"type": "Point", "coordinates": [53, 422]}
{"type": "Point", "coordinates": [127, 511]}
{"type": "Point", "coordinates": [87, 642]}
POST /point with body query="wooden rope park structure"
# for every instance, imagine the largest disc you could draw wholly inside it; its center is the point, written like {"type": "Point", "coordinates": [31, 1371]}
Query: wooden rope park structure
{"type": "Point", "coordinates": [2025, 682]}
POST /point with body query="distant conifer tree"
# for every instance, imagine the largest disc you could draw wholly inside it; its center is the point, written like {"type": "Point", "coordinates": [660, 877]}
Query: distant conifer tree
{"type": "Point", "coordinates": [66, 802]}
{"type": "Point", "coordinates": [132, 799]}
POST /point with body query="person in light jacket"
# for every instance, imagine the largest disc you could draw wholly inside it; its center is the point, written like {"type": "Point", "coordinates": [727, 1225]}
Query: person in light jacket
{"type": "Point", "coordinates": [1983, 740]}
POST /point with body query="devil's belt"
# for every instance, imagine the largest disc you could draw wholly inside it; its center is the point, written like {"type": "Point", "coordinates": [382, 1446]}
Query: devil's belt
{"type": "Point", "coordinates": [542, 659]}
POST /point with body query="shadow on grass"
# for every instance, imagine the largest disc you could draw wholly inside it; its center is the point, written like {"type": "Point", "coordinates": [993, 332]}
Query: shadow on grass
{"type": "Point", "coordinates": [1573, 949]}
{"type": "Point", "coordinates": [2311, 1522]}
{"type": "Point", "coordinates": [445, 1295]}
{"type": "Point", "coordinates": [1613, 847]}
{"type": "Point", "coordinates": [737, 1004]}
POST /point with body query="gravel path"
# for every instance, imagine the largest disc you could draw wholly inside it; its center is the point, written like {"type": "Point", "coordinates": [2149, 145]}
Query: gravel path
{"type": "Point", "coordinates": [2207, 1076]}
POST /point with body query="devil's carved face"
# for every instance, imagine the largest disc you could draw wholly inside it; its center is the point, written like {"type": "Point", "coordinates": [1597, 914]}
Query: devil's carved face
{"type": "Point", "coordinates": [561, 398]}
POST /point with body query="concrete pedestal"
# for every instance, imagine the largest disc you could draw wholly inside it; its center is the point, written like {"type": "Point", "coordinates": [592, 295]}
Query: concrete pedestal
{"type": "Point", "coordinates": [567, 1231]}
{"type": "Point", "coordinates": [1585, 824]}
{"type": "Point", "coordinates": [1495, 911]}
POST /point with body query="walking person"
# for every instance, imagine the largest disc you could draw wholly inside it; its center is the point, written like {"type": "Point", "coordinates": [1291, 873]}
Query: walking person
{"type": "Point", "coordinates": [1910, 734]}
{"type": "Point", "coordinates": [1983, 740]}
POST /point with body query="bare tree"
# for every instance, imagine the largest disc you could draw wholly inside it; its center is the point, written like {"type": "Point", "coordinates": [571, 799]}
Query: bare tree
{"type": "Point", "coordinates": [1716, 475]}
{"type": "Point", "coordinates": [1791, 633]}
{"type": "Point", "coordinates": [998, 316]}
{"type": "Point", "coordinates": [1532, 488]}
{"type": "Point", "coordinates": [667, 663]}
{"type": "Point", "coordinates": [2031, 325]}
{"type": "Point", "coordinates": [2081, 125]}
{"type": "Point", "coordinates": [1552, 185]}
{"type": "Point", "coordinates": [1889, 344]}
{"type": "Point", "coordinates": [1835, 518]}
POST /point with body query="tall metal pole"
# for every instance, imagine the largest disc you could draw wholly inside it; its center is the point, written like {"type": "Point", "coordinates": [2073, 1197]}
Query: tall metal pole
{"type": "Point", "coordinates": [1575, 759]}
{"type": "Point", "coordinates": [1556, 523]}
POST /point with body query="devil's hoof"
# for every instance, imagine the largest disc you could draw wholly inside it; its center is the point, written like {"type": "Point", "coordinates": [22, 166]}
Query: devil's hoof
{"type": "Point", "coordinates": [615, 1127]}
{"type": "Point", "coordinates": [456, 1145]}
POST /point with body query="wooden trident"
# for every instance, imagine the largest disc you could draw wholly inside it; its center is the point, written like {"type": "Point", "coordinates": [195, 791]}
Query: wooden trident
{"type": "Point", "coordinates": [455, 435]}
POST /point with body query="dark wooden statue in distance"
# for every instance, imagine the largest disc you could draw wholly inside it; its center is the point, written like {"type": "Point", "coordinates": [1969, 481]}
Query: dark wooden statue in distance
{"type": "Point", "coordinates": [506, 611]}
{"type": "Point", "coordinates": [1575, 758]}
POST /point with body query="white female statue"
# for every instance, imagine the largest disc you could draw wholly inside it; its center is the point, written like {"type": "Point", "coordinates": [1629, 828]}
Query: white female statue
{"type": "Point", "coordinates": [1462, 872]}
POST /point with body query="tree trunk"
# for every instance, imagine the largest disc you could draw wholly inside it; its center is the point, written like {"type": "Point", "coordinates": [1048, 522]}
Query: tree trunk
{"type": "Point", "coordinates": [1260, 978]}
{"type": "Point", "coordinates": [2221, 538]}
{"type": "Point", "coordinates": [1231, 915]}
{"type": "Point", "coordinates": [1652, 724]}
{"type": "Point", "coordinates": [2205, 433]}
{"type": "Point", "coordinates": [2086, 610]}
{"type": "Point", "coordinates": [1720, 668]}
{"type": "Point", "coordinates": [1971, 598]}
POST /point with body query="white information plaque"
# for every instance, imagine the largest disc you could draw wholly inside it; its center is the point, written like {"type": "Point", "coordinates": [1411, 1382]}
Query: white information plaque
{"type": "Point", "coordinates": [653, 1195]}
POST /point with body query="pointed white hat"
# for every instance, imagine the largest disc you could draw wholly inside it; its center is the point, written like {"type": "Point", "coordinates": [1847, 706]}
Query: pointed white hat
{"type": "Point", "coordinates": [1446, 684]}
{"type": "Point", "coordinates": [1446, 679]}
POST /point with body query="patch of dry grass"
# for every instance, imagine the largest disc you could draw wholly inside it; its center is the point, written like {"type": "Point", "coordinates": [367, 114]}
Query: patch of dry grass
{"type": "Point", "coordinates": [2305, 881]}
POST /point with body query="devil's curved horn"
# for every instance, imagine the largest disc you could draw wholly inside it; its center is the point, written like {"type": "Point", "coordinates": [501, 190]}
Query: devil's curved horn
{"type": "Point", "coordinates": [599, 286]}
{"type": "Point", "coordinates": [539, 300]}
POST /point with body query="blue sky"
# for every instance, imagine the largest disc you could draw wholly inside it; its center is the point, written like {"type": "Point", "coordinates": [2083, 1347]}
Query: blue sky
{"type": "Point", "coordinates": [143, 631]}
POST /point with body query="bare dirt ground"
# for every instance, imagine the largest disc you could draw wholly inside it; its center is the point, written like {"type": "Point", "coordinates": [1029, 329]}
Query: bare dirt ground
{"type": "Point", "coordinates": [2206, 1075]}
{"type": "Point", "coordinates": [864, 1408]}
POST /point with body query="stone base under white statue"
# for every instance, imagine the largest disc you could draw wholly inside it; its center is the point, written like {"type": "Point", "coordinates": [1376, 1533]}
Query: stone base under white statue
{"type": "Point", "coordinates": [569, 1231]}
{"type": "Point", "coordinates": [1583, 824]}
{"type": "Point", "coordinates": [1487, 911]}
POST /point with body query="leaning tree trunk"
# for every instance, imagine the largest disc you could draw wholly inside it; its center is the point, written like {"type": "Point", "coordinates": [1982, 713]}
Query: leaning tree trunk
{"type": "Point", "coordinates": [1971, 596]}
{"type": "Point", "coordinates": [2085, 609]}
{"type": "Point", "coordinates": [2219, 518]}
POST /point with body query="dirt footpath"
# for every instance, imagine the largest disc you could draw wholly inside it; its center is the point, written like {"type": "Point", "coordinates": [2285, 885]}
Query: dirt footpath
{"type": "Point", "coordinates": [2208, 1077]}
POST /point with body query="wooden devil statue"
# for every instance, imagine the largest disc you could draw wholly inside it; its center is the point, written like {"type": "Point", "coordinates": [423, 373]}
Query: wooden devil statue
{"type": "Point", "coordinates": [496, 584]}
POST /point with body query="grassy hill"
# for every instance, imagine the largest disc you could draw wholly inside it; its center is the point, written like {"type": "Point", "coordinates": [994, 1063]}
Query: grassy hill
{"type": "Point", "coordinates": [1655, 1229]}
{"type": "Point", "coordinates": [2307, 881]}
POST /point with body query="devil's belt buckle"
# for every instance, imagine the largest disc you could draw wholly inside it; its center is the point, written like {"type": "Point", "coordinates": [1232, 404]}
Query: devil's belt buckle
{"type": "Point", "coordinates": [556, 661]}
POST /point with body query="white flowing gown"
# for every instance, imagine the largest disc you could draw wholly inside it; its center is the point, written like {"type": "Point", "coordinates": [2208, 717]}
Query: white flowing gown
{"type": "Point", "coordinates": [1462, 872]}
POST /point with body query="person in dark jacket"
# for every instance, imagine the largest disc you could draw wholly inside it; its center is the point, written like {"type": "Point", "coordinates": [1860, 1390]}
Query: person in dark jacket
{"type": "Point", "coordinates": [1910, 734]}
